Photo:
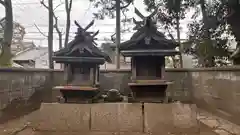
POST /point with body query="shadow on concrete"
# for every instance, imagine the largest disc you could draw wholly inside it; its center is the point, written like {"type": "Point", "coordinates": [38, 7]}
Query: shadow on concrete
{"type": "Point", "coordinates": [20, 107]}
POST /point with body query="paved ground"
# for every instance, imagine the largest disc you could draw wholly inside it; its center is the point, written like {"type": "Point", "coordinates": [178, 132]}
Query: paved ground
{"type": "Point", "coordinates": [216, 124]}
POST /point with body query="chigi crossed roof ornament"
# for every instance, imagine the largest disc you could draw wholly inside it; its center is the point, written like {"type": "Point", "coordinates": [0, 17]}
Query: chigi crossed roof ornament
{"type": "Point", "coordinates": [147, 24]}
{"type": "Point", "coordinates": [84, 40]}
{"type": "Point", "coordinates": [83, 34]}
{"type": "Point", "coordinates": [145, 20]}
{"type": "Point", "coordinates": [146, 30]}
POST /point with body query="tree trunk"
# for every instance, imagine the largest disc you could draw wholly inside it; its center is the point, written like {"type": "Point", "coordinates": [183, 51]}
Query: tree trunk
{"type": "Point", "coordinates": [68, 7]}
{"type": "Point", "coordinates": [179, 41]}
{"type": "Point", "coordinates": [6, 55]}
{"type": "Point", "coordinates": [208, 58]}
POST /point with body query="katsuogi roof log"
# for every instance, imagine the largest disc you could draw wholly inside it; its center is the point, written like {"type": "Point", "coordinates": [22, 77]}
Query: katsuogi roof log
{"type": "Point", "coordinates": [147, 37]}
{"type": "Point", "coordinates": [83, 45]}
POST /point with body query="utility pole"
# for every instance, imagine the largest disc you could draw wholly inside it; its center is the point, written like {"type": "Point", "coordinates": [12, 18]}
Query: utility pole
{"type": "Point", "coordinates": [118, 31]}
{"type": "Point", "coordinates": [50, 33]}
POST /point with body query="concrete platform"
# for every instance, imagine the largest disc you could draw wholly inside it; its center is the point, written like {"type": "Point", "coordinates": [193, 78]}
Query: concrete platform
{"type": "Point", "coordinates": [120, 119]}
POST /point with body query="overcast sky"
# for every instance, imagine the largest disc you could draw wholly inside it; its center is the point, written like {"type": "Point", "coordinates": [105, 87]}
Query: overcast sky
{"type": "Point", "coordinates": [30, 12]}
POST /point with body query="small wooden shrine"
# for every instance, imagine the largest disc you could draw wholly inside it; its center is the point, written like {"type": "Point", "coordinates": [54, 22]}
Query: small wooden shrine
{"type": "Point", "coordinates": [81, 59]}
{"type": "Point", "coordinates": [147, 49]}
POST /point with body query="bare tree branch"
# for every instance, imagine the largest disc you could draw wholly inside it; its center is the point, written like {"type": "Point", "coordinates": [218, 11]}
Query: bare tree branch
{"type": "Point", "coordinates": [112, 38]}
{"type": "Point", "coordinates": [2, 3]}
{"type": "Point", "coordinates": [70, 6]}
{"type": "Point", "coordinates": [58, 31]}
{"type": "Point", "coordinates": [42, 2]}
{"type": "Point", "coordinates": [40, 30]}
{"type": "Point", "coordinates": [57, 6]}
{"type": "Point", "coordinates": [55, 26]}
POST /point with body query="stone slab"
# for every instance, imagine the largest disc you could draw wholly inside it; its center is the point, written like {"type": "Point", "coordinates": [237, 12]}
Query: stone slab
{"type": "Point", "coordinates": [116, 117]}
{"type": "Point", "coordinates": [185, 117]}
{"type": "Point", "coordinates": [157, 118]}
{"type": "Point", "coordinates": [170, 118]}
{"type": "Point", "coordinates": [76, 133]}
{"type": "Point", "coordinates": [63, 117]}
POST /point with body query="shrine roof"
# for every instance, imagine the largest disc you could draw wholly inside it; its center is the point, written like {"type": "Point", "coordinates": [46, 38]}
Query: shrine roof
{"type": "Point", "coordinates": [147, 37]}
{"type": "Point", "coordinates": [82, 45]}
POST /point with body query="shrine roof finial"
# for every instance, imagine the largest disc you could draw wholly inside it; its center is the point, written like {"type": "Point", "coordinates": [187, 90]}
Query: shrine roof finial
{"type": "Point", "coordinates": [83, 45]}
{"type": "Point", "coordinates": [146, 21]}
{"type": "Point", "coordinates": [147, 35]}
{"type": "Point", "coordinates": [82, 33]}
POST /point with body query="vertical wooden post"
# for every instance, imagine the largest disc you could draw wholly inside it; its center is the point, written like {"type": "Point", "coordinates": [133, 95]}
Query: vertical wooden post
{"type": "Point", "coordinates": [134, 69]}
{"type": "Point", "coordinates": [163, 68]}
{"type": "Point", "coordinates": [97, 75]}
{"type": "Point", "coordinates": [92, 73]}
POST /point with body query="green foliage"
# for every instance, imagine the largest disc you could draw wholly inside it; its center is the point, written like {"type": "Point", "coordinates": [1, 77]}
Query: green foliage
{"type": "Point", "coordinates": [217, 24]}
{"type": "Point", "coordinates": [106, 8]}
{"type": "Point", "coordinates": [170, 10]}
{"type": "Point", "coordinates": [18, 35]}
{"type": "Point", "coordinates": [214, 47]}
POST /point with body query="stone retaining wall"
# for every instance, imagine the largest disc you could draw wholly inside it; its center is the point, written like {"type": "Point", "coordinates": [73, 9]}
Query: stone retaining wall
{"type": "Point", "coordinates": [215, 89]}
{"type": "Point", "coordinates": [218, 92]}
{"type": "Point", "coordinates": [21, 91]}
{"type": "Point", "coordinates": [118, 117]}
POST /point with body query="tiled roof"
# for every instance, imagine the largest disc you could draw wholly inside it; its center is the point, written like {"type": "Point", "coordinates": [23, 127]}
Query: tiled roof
{"type": "Point", "coordinates": [17, 65]}
{"type": "Point", "coordinates": [31, 54]}
{"type": "Point", "coordinates": [21, 46]}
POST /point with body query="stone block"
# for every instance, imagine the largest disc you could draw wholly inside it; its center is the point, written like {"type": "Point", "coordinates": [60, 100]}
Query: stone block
{"type": "Point", "coordinates": [104, 117]}
{"type": "Point", "coordinates": [157, 118]}
{"type": "Point", "coordinates": [63, 117]}
{"type": "Point", "coordinates": [115, 117]}
{"type": "Point", "coordinates": [185, 116]}
{"type": "Point", "coordinates": [170, 118]}
{"type": "Point", "coordinates": [130, 117]}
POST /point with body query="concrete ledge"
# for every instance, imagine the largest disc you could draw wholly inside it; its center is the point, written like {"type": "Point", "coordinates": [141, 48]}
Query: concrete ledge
{"type": "Point", "coordinates": [170, 118]}
{"type": "Point", "coordinates": [27, 70]}
{"type": "Point", "coordinates": [63, 117]}
{"type": "Point", "coordinates": [117, 117]}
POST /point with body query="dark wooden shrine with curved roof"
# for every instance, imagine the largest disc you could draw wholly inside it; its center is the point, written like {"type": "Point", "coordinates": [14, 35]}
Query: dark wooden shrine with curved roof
{"type": "Point", "coordinates": [81, 59]}
{"type": "Point", "coordinates": [147, 49]}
